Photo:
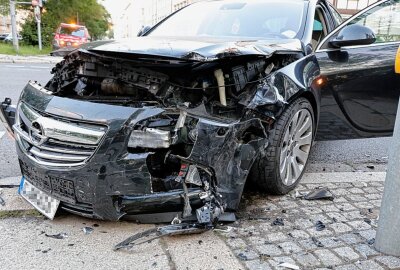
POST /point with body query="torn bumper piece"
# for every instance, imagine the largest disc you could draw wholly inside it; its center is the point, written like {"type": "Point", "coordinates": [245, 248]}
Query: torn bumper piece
{"type": "Point", "coordinates": [116, 180]}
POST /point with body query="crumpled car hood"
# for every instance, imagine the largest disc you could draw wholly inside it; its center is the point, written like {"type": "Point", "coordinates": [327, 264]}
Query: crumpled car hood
{"type": "Point", "coordinates": [196, 48]}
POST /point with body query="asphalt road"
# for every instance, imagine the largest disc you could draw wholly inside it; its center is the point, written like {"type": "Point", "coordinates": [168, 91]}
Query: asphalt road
{"type": "Point", "coordinates": [13, 77]}
{"type": "Point", "coordinates": [351, 155]}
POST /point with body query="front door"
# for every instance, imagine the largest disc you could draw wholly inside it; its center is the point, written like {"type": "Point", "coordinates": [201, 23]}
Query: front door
{"type": "Point", "coordinates": [362, 90]}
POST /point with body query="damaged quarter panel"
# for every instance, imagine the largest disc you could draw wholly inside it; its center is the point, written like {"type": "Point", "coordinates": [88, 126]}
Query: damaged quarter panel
{"type": "Point", "coordinates": [286, 84]}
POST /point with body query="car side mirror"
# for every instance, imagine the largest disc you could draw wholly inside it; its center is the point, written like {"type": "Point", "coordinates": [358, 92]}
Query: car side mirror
{"type": "Point", "coordinates": [144, 30]}
{"type": "Point", "coordinates": [353, 35]}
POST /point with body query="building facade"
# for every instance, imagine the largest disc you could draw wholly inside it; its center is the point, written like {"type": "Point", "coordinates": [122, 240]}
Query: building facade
{"type": "Point", "coordinates": [350, 7]}
{"type": "Point", "coordinates": [5, 21]}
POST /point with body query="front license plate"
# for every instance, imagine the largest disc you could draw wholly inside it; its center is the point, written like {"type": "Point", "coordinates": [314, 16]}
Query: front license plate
{"type": "Point", "coordinates": [44, 203]}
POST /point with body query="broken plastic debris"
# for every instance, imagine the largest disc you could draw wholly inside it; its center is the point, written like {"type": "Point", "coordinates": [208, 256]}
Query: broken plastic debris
{"type": "Point", "coordinates": [278, 222]}
{"type": "Point", "coordinates": [176, 220]}
{"type": "Point", "coordinates": [224, 229]}
{"type": "Point", "coordinates": [2, 202]}
{"type": "Point", "coordinates": [319, 226]}
{"type": "Point", "coordinates": [317, 242]}
{"type": "Point", "coordinates": [155, 233]}
{"type": "Point", "coordinates": [57, 236]}
{"type": "Point", "coordinates": [319, 194]}
{"type": "Point", "coordinates": [242, 257]}
{"type": "Point", "coordinates": [87, 230]}
{"type": "Point", "coordinates": [289, 266]}
{"type": "Point", "coordinates": [299, 194]}
{"type": "Point", "coordinates": [371, 241]}
{"type": "Point", "coordinates": [367, 220]}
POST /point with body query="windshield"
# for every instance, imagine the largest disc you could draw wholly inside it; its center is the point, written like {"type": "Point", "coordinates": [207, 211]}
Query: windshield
{"type": "Point", "coordinates": [73, 31]}
{"type": "Point", "coordinates": [266, 19]}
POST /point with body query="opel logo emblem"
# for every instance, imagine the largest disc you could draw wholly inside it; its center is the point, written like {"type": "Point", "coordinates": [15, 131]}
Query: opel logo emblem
{"type": "Point", "coordinates": [36, 133]}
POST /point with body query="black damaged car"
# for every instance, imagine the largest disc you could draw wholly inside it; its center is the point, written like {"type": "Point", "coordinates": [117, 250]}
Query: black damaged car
{"type": "Point", "coordinates": [173, 123]}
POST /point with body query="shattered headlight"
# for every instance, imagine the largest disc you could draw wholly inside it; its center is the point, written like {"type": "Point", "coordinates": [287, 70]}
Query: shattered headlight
{"type": "Point", "coordinates": [150, 138]}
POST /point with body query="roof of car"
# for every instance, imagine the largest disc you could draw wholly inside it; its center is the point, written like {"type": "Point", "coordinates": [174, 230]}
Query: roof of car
{"type": "Point", "coordinates": [71, 25]}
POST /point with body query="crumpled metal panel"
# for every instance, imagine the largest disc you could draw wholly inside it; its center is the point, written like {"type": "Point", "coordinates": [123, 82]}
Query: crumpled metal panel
{"type": "Point", "coordinates": [229, 157]}
{"type": "Point", "coordinates": [196, 49]}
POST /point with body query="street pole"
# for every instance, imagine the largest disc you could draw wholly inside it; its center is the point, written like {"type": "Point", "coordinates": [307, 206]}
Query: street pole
{"type": "Point", "coordinates": [39, 28]}
{"type": "Point", "coordinates": [388, 233]}
{"type": "Point", "coordinates": [14, 26]}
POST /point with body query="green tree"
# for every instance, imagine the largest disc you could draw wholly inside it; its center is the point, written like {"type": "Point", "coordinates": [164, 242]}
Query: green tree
{"type": "Point", "coordinates": [90, 13]}
{"type": "Point", "coordinates": [4, 7]}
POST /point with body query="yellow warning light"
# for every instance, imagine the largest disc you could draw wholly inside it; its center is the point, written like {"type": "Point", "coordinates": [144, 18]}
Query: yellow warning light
{"type": "Point", "coordinates": [397, 64]}
{"type": "Point", "coordinates": [320, 81]}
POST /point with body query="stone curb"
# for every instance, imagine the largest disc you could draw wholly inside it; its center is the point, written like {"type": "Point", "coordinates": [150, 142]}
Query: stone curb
{"type": "Point", "coordinates": [29, 59]}
{"type": "Point", "coordinates": [338, 177]}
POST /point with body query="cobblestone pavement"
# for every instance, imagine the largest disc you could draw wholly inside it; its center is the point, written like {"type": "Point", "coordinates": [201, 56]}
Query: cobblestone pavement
{"type": "Point", "coordinates": [346, 242]}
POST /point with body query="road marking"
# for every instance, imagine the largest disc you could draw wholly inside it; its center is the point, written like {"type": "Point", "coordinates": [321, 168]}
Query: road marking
{"type": "Point", "coordinates": [13, 66]}
{"type": "Point", "coordinates": [2, 134]}
{"type": "Point", "coordinates": [29, 67]}
{"type": "Point", "coordinates": [49, 67]}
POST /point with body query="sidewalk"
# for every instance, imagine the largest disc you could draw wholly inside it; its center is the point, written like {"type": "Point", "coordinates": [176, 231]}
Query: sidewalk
{"type": "Point", "coordinates": [44, 59]}
{"type": "Point", "coordinates": [253, 242]}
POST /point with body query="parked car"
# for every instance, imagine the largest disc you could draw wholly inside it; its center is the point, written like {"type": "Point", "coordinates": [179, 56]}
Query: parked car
{"type": "Point", "coordinates": [7, 37]}
{"type": "Point", "coordinates": [3, 36]}
{"type": "Point", "coordinates": [70, 36]}
{"type": "Point", "coordinates": [176, 121]}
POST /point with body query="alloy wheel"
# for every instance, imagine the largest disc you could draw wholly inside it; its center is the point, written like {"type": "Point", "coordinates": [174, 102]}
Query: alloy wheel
{"type": "Point", "coordinates": [295, 147]}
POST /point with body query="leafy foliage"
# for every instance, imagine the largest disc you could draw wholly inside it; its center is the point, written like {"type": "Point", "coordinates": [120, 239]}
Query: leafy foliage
{"type": "Point", "coordinates": [91, 14]}
{"type": "Point", "coordinates": [4, 7]}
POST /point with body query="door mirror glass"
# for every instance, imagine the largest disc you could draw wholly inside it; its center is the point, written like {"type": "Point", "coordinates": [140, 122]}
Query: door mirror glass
{"type": "Point", "coordinates": [353, 35]}
{"type": "Point", "coordinates": [144, 30]}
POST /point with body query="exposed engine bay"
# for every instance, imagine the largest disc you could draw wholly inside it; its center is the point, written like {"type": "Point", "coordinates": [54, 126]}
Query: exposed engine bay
{"type": "Point", "coordinates": [223, 87]}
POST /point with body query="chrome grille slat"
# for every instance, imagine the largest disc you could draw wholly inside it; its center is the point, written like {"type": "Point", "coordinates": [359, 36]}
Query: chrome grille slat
{"type": "Point", "coordinates": [49, 142]}
{"type": "Point", "coordinates": [54, 156]}
{"type": "Point", "coordinates": [65, 150]}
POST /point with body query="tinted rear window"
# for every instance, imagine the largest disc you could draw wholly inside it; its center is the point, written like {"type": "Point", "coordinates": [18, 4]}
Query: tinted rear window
{"type": "Point", "coordinates": [73, 31]}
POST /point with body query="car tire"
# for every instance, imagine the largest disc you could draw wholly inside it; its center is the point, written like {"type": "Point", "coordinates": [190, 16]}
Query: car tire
{"type": "Point", "coordinates": [289, 145]}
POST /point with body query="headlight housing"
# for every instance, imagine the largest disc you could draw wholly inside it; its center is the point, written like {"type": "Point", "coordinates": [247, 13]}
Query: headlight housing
{"type": "Point", "coordinates": [150, 138]}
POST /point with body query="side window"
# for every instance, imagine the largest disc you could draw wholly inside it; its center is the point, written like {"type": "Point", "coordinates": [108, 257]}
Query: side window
{"type": "Point", "coordinates": [319, 28]}
{"type": "Point", "coordinates": [384, 20]}
{"type": "Point", "coordinates": [338, 18]}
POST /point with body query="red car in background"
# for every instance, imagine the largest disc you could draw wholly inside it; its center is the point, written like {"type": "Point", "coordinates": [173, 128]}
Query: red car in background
{"type": "Point", "coordinates": [70, 36]}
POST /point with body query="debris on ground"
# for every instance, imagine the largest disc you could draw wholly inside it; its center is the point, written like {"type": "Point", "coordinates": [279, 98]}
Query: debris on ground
{"type": "Point", "coordinates": [317, 242]}
{"type": "Point", "coordinates": [57, 236]}
{"type": "Point", "coordinates": [278, 222]}
{"type": "Point", "coordinates": [155, 233]}
{"type": "Point", "coordinates": [371, 167]}
{"type": "Point", "coordinates": [371, 241]}
{"type": "Point", "coordinates": [289, 266]}
{"type": "Point", "coordinates": [320, 226]}
{"type": "Point", "coordinates": [87, 230]}
{"type": "Point", "coordinates": [299, 194]}
{"type": "Point", "coordinates": [224, 229]}
{"type": "Point", "coordinates": [367, 220]}
{"type": "Point", "coordinates": [319, 194]}
{"type": "Point", "coordinates": [242, 257]}
{"type": "Point", "coordinates": [46, 250]}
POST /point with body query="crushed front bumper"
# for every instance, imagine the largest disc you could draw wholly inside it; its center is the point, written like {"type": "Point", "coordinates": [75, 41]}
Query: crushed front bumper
{"type": "Point", "coordinates": [111, 182]}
